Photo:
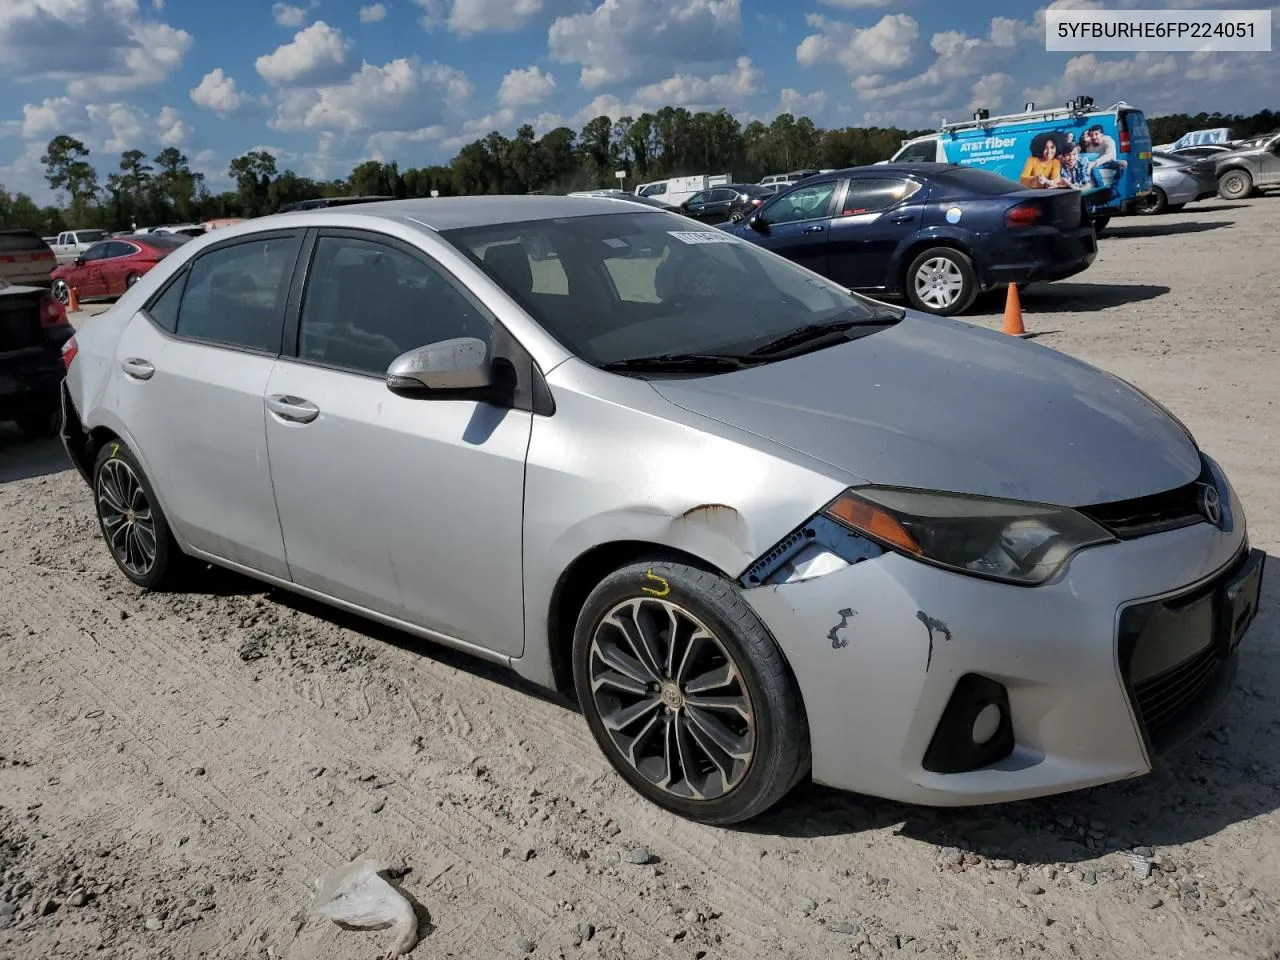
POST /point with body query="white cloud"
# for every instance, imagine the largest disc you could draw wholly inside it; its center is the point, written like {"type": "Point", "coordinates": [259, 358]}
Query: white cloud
{"type": "Point", "coordinates": [287, 15]}
{"type": "Point", "coordinates": [989, 91]}
{"type": "Point", "coordinates": [606, 105]}
{"type": "Point", "coordinates": [53, 116]}
{"type": "Point", "coordinates": [125, 122]}
{"type": "Point", "coordinates": [218, 92]}
{"type": "Point", "coordinates": [543, 123]}
{"type": "Point", "coordinates": [522, 87]}
{"type": "Point", "coordinates": [173, 130]}
{"type": "Point", "coordinates": [373, 13]}
{"type": "Point", "coordinates": [643, 40]}
{"type": "Point", "coordinates": [684, 90]}
{"type": "Point", "coordinates": [503, 119]}
{"type": "Point", "coordinates": [801, 104]}
{"type": "Point", "coordinates": [468, 17]}
{"type": "Point", "coordinates": [858, 4]}
{"type": "Point", "coordinates": [886, 45]}
{"type": "Point", "coordinates": [402, 95]}
{"type": "Point", "coordinates": [315, 54]}
{"type": "Point", "coordinates": [96, 47]}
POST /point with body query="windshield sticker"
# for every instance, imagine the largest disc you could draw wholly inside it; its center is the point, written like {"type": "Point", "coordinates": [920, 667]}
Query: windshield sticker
{"type": "Point", "coordinates": [702, 236]}
{"type": "Point", "coordinates": [616, 243]}
{"type": "Point", "coordinates": [953, 215]}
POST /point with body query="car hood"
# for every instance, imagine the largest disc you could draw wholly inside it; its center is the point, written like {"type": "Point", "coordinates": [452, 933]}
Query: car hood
{"type": "Point", "coordinates": [943, 405]}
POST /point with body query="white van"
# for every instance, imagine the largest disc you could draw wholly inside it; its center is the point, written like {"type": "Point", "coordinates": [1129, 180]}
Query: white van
{"type": "Point", "coordinates": [677, 190]}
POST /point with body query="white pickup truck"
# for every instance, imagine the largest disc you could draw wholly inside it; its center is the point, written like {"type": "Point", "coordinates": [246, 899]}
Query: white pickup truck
{"type": "Point", "coordinates": [71, 243]}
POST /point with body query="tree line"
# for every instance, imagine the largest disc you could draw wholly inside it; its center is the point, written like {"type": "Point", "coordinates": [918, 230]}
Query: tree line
{"type": "Point", "coordinates": [147, 191]}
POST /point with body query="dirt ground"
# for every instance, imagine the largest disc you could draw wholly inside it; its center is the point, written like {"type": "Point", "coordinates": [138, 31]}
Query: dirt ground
{"type": "Point", "coordinates": [175, 771]}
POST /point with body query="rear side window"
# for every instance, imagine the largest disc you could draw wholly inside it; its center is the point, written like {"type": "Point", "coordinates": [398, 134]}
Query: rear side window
{"type": "Point", "coordinates": [164, 309]}
{"type": "Point", "coordinates": [14, 241]}
{"type": "Point", "coordinates": [235, 295]}
{"type": "Point", "coordinates": [873, 195]}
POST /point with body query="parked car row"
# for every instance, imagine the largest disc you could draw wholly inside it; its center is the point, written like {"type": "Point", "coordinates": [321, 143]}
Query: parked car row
{"type": "Point", "coordinates": [764, 529]}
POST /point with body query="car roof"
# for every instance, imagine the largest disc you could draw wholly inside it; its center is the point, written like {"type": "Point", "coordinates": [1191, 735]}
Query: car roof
{"type": "Point", "coordinates": [919, 169]}
{"type": "Point", "coordinates": [451, 213]}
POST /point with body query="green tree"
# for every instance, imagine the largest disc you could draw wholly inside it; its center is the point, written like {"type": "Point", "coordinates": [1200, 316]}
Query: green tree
{"type": "Point", "coordinates": [175, 186]}
{"type": "Point", "coordinates": [253, 173]}
{"type": "Point", "coordinates": [66, 162]}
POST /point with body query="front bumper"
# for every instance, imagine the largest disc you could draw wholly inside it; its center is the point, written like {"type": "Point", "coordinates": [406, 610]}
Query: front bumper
{"type": "Point", "coordinates": [1082, 687]}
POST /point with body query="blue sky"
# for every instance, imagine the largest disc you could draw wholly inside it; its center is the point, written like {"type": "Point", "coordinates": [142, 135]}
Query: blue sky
{"type": "Point", "coordinates": [324, 84]}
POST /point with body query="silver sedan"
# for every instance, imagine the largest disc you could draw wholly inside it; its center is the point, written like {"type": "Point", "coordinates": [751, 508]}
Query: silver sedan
{"type": "Point", "coordinates": [762, 528]}
{"type": "Point", "coordinates": [1177, 181]}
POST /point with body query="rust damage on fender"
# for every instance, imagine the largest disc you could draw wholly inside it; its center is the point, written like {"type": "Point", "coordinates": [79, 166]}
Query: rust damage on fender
{"type": "Point", "coordinates": [724, 520]}
{"type": "Point", "coordinates": [931, 624]}
{"type": "Point", "coordinates": [712, 513]}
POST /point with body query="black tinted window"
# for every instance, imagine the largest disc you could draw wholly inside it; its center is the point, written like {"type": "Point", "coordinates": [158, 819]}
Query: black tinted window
{"type": "Point", "coordinates": [167, 241]}
{"type": "Point", "coordinates": [874, 195]}
{"type": "Point", "coordinates": [164, 309]}
{"type": "Point", "coordinates": [923, 152]}
{"type": "Point", "coordinates": [12, 241]}
{"type": "Point", "coordinates": [234, 295]}
{"type": "Point", "coordinates": [97, 252]}
{"type": "Point", "coordinates": [367, 303]}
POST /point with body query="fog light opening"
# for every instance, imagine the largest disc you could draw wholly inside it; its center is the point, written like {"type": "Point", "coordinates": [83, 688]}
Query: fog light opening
{"type": "Point", "coordinates": [987, 724]}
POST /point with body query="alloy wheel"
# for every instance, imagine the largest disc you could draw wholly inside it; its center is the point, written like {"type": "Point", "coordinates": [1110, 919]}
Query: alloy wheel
{"type": "Point", "coordinates": [672, 699]}
{"type": "Point", "coordinates": [939, 283]}
{"type": "Point", "coordinates": [62, 292]}
{"type": "Point", "coordinates": [126, 515]}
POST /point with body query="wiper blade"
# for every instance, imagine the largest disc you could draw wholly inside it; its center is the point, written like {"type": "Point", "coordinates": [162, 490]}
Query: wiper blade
{"type": "Point", "coordinates": [677, 362]}
{"type": "Point", "coordinates": [820, 331]}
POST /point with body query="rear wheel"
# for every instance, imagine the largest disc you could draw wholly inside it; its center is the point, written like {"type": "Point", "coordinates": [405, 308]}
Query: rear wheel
{"type": "Point", "coordinates": [1157, 201]}
{"type": "Point", "coordinates": [130, 280]}
{"type": "Point", "coordinates": [131, 521]}
{"type": "Point", "coordinates": [1235, 185]}
{"type": "Point", "coordinates": [62, 291]}
{"type": "Point", "coordinates": [941, 280]}
{"type": "Point", "coordinates": [687, 694]}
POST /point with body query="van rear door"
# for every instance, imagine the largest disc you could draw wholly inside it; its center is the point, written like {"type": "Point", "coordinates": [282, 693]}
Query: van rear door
{"type": "Point", "coordinates": [1134, 148]}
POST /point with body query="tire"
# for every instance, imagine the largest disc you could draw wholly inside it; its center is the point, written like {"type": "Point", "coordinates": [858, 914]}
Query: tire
{"type": "Point", "coordinates": [946, 266]}
{"type": "Point", "coordinates": [130, 280]}
{"type": "Point", "coordinates": [1175, 208]}
{"type": "Point", "coordinates": [768, 723]}
{"type": "Point", "coordinates": [1156, 202]}
{"type": "Point", "coordinates": [1235, 185]}
{"type": "Point", "coordinates": [1100, 224]}
{"type": "Point", "coordinates": [37, 426]}
{"type": "Point", "coordinates": [737, 216]}
{"type": "Point", "coordinates": [62, 291]}
{"type": "Point", "coordinates": [115, 467]}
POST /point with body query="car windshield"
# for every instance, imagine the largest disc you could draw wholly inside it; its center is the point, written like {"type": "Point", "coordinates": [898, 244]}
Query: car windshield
{"type": "Point", "coordinates": [166, 241]}
{"type": "Point", "coordinates": [618, 286]}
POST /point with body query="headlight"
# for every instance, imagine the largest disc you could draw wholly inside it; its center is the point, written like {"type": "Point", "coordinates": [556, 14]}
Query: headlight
{"type": "Point", "coordinates": [1007, 540]}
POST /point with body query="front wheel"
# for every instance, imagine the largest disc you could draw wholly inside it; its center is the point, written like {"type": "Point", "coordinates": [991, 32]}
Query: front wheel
{"type": "Point", "coordinates": [62, 291]}
{"type": "Point", "coordinates": [132, 522]}
{"type": "Point", "coordinates": [687, 694]}
{"type": "Point", "coordinates": [1235, 185]}
{"type": "Point", "coordinates": [1157, 201]}
{"type": "Point", "coordinates": [737, 216]}
{"type": "Point", "coordinates": [941, 280]}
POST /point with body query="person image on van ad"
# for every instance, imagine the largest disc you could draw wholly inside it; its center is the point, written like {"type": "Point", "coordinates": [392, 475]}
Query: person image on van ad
{"type": "Point", "coordinates": [1073, 167]}
{"type": "Point", "coordinates": [1107, 165]}
{"type": "Point", "coordinates": [1042, 170]}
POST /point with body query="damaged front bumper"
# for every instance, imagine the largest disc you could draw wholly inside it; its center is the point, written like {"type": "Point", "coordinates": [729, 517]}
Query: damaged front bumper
{"type": "Point", "coordinates": [1091, 675]}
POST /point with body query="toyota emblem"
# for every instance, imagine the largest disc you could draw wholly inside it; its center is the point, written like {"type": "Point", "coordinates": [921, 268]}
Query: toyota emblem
{"type": "Point", "coordinates": [1211, 504]}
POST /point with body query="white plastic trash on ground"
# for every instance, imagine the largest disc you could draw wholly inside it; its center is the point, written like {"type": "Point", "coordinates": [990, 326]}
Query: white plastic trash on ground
{"type": "Point", "coordinates": [356, 896]}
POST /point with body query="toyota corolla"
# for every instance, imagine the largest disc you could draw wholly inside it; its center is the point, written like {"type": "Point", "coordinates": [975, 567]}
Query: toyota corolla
{"type": "Point", "coordinates": [761, 527]}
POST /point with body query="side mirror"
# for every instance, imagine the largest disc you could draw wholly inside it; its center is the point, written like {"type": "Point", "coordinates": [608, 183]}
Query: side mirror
{"type": "Point", "coordinates": [758, 223]}
{"type": "Point", "coordinates": [449, 367]}
{"type": "Point", "coordinates": [79, 261]}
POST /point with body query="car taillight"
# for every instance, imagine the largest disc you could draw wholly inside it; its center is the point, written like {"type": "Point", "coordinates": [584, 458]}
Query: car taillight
{"type": "Point", "coordinates": [69, 351]}
{"type": "Point", "coordinates": [756, 201]}
{"type": "Point", "coordinates": [52, 312]}
{"type": "Point", "coordinates": [1125, 143]}
{"type": "Point", "coordinates": [1023, 215]}
{"type": "Point", "coordinates": [44, 255]}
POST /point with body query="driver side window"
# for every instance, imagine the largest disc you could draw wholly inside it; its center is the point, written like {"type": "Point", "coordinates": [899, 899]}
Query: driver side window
{"type": "Point", "coordinates": [804, 203]}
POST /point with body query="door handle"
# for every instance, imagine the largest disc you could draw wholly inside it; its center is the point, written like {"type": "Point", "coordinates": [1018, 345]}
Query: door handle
{"type": "Point", "coordinates": [902, 217]}
{"type": "Point", "coordinates": [138, 368]}
{"type": "Point", "coordinates": [293, 409]}
{"type": "Point", "coordinates": [814, 229]}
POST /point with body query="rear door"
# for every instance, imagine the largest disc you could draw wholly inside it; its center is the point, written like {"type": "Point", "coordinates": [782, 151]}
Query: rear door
{"type": "Point", "coordinates": [195, 361]}
{"type": "Point", "coordinates": [875, 218]}
{"type": "Point", "coordinates": [797, 224]}
{"type": "Point", "coordinates": [1135, 150]}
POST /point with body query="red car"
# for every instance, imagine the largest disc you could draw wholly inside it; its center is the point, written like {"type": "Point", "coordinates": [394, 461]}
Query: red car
{"type": "Point", "coordinates": [110, 267]}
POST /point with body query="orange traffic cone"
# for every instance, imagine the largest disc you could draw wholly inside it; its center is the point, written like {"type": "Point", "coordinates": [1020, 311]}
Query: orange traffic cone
{"type": "Point", "coordinates": [1013, 313]}
{"type": "Point", "coordinates": [73, 302]}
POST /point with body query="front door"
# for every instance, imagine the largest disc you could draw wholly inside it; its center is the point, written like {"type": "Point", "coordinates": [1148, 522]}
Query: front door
{"type": "Point", "coordinates": [409, 507]}
{"type": "Point", "coordinates": [797, 225]}
{"type": "Point", "coordinates": [196, 359]}
{"type": "Point", "coordinates": [876, 216]}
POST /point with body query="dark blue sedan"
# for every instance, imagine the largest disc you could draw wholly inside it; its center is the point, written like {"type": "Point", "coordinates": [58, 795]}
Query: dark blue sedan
{"type": "Point", "coordinates": [937, 233]}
